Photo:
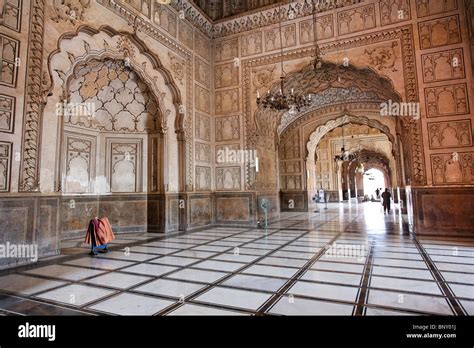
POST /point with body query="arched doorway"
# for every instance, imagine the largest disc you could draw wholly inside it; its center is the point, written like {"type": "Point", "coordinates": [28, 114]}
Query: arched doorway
{"type": "Point", "coordinates": [120, 149]}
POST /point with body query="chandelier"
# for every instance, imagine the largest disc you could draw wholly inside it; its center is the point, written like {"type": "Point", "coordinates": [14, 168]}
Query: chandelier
{"type": "Point", "coordinates": [345, 155]}
{"type": "Point", "coordinates": [279, 100]}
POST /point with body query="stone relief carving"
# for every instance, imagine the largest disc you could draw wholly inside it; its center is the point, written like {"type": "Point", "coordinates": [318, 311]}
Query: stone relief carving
{"type": "Point", "coordinates": [7, 113]}
{"type": "Point", "coordinates": [227, 49]}
{"type": "Point", "coordinates": [439, 32]}
{"type": "Point", "coordinates": [226, 75]}
{"type": "Point", "coordinates": [203, 127]}
{"type": "Point", "coordinates": [447, 100]}
{"type": "Point", "coordinates": [444, 65]}
{"type": "Point", "coordinates": [9, 60]}
{"type": "Point", "coordinates": [165, 18]}
{"type": "Point", "coordinates": [430, 7]}
{"type": "Point", "coordinates": [453, 168]}
{"type": "Point", "coordinates": [203, 178]}
{"type": "Point", "coordinates": [394, 11]}
{"type": "Point", "coordinates": [227, 128]}
{"type": "Point", "coordinates": [324, 28]}
{"type": "Point", "coordinates": [5, 165]}
{"type": "Point", "coordinates": [29, 169]}
{"type": "Point", "coordinates": [355, 20]}
{"type": "Point", "coordinates": [263, 77]}
{"type": "Point", "coordinates": [450, 134]}
{"type": "Point", "coordinates": [290, 167]}
{"type": "Point", "coordinates": [228, 178]}
{"type": "Point", "coordinates": [202, 72]}
{"type": "Point", "coordinates": [125, 173]}
{"type": "Point", "coordinates": [202, 152]}
{"type": "Point", "coordinates": [10, 13]}
{"type": "Point", "coordinates": [178, 67]}
{"type": "Point", "coordinates": [252, 44]}
{"type": "Point", "coordinates": [272, 37]}
{"type": "Point", "coordinates": [227, 101]}
{"type": "Point", "coordinates": [69, 10]}
{"type": "Point", "coordinates": [298, 8]}
{"type": "Point", "coordinates": [203, 99]}
{"type": "Point", "coordinates": [383, 57]}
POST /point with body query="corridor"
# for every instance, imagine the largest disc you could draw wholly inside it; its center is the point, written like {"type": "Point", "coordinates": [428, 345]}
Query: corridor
{"type": "Point", "coordinates": [344, 260]}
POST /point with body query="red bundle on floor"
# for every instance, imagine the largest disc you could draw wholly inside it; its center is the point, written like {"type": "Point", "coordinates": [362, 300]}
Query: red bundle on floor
{"type": "Point", "coordinates": [99, 232]}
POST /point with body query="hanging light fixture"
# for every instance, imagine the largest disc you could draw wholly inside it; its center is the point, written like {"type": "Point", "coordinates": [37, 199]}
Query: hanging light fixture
{"type": "Point", "coordinates": [345, 155]}
{"type": "Point", "coordinates": [279, 101]}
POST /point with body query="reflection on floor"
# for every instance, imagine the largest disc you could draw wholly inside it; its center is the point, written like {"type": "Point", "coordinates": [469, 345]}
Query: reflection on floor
{"type": "Point", "coordinates": [346, 260]}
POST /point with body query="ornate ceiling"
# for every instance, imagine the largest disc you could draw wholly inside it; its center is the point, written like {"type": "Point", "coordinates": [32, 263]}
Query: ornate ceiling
{"type": "Point", "coordinates": [219, 9]}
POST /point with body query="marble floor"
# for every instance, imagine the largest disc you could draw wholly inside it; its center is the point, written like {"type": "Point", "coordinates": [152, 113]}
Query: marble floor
{"type": "Point", "coordinates": [349, 259]}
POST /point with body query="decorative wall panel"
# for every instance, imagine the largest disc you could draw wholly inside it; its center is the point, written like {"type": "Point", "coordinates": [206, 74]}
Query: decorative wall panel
{"type": "Point", "coordinates": [227, 128]}
{"type": "Point", "coordinates": [394, 11]}
{"type": "Point", "coordinates": [203, 46]}
{"type": "Point", "coordinates": [447, 100]}
{"type": "Point", "coordinates": [125, 162]}
{"type": "Point", "coordinates": [453, 168]}
{"type": "Point", "coordinates": [7, 113]}
{"type": "Point", "coordinates": [9, 60]}
{"type": "Point", "coordinates": [202, 152]}
{"type": "Point", "coordinates": [226, 75]}
{"type": "Point", "coordinates": [202, 72]}
{"type": "Point", "coordinates": [165, 18]}
{"type": "Point", "coordinates": [10, 14]}
{"type": "Point", "coordinates": [443, 65]}
{"type": "Point", "coordinates": [431, 7]}
{"type": "Point", "coordinates": [228, 178]}
{"type": "Point", "coordinates": [79, 164]}
{"type": "Point", "coordinates": [203, 99]}
{"type": "Point", "coordinates": [355, 20]}
{"type": "Point", "coordinates": [227, 49]}
{"type": "Point", "coordinates": [203, 127]}
{"type": "Point", "coordinates": [439, 32]}
{"type": "Point", "coordinates": [186, 34]}
{"type": "Point", "coordinates": [203, 178]}
{"type": "Point", "coordinates": [288, 36]}
{"type": "Point", "coordinates": [143, 6]}
{"type": "Point", "coordinates": [227, 101]}
{"type": "Point", "coordinates": [5, 165]}
{"type": "Point", "coordinates": [450, 134]}
{"type": "Point", "coordinates": [252, 44]}
{"type": "Point", "coordinates": [324, 27]}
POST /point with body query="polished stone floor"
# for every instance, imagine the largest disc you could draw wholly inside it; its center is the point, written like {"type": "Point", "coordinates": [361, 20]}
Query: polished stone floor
{"type": "Point", "coordinates": [350, 259]}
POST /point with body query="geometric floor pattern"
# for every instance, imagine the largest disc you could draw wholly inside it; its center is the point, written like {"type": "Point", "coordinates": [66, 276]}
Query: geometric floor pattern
{"type": "Point", "coordinates": [344, 260]}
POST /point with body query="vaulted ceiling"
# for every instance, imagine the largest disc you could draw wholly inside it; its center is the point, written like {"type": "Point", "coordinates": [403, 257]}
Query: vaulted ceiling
{"type": "Point", "coordinates": [219, 9]}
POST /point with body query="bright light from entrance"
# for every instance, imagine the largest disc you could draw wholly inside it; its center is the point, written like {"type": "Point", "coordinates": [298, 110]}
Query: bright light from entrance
{"type": "Point", "coordinates": [373, 179]}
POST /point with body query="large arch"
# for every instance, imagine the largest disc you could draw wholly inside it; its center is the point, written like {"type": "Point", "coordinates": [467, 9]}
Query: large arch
{"type": "Point", "coordinates": [166, 151]}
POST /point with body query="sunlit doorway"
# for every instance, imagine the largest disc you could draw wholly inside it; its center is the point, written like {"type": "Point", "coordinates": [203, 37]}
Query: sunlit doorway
{"type": "Point", "coordinates": [373, 180]}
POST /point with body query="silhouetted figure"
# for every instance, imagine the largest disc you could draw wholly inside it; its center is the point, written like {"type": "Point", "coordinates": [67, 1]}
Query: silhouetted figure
{"type": "Point", "coordinates": [377, 193]}
{"type": "Point", "coordinates": [386, 196]}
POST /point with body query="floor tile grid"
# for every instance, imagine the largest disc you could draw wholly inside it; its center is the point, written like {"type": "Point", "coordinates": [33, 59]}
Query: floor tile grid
{"type": "Point", "coordinates": [190, 298]}
{"type": "Point", "coordinates": [128, 290]}
{"type": "Point", "coordinates": [82, 281]}
{"type": "Point", "coordinates": [446, 290]}
{"type": "Point", "coordinates": [284, 289]}
{"type": "Point", "coordinates": [363, 293]}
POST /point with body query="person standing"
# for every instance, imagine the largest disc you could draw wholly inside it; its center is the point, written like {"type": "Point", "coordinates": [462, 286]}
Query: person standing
{"type": "Point", "coordinates": [386, 197]}
{"type": "Point", "coordinates": [377, 193]}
